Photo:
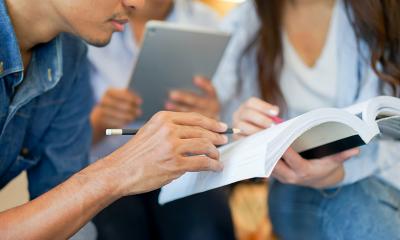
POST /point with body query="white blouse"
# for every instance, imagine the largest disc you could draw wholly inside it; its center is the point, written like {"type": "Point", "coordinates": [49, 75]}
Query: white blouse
{"type": "Point", "coordinates": [306, 88]}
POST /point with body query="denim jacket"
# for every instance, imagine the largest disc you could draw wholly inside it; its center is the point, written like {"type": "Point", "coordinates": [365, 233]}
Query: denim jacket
{"type": "Point", "coordinates": [44, 123]}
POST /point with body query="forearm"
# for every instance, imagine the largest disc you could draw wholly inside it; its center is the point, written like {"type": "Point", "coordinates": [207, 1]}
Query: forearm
{"type": "Point", "coordinates": [62, 211]}
{"type": "Point", "coordinates": [157, 155]}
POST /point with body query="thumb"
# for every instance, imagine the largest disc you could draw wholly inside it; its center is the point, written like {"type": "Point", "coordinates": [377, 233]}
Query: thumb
{"type": "Point", "coordinates": [205, 85]}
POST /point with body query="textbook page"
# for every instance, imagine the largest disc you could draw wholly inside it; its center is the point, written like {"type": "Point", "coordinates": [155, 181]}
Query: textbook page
{"type": "Point", "coordinates": [390, 127]}
{"type": "Point", "coordinates": [244, 159]}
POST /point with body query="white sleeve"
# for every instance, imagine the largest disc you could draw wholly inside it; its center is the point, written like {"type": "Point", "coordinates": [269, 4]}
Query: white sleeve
{"type": "Point", "coordinates": [243, 24]}
{"type": "Point", "coordinates": [237, 16]}
{"type": "Point", "coordinates": [375, 158]}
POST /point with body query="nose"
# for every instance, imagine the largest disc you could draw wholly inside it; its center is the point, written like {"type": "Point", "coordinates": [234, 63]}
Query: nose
{"type": "Point", "coordinates": [133, 3]}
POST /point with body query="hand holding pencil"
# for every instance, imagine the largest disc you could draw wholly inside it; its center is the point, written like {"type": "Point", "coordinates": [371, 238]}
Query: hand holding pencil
{"type": "Point", "coordinates": [170, 144]}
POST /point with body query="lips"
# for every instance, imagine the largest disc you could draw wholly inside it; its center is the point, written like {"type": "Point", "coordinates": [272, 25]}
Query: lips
{"type": "Point", "coordinates": [119, 24]}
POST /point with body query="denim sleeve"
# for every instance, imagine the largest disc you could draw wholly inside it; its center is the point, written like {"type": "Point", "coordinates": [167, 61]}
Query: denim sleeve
{"type": "Point", "coordinates": [67, 141]}
{"type": "Point", "coordinates": [374, 159]}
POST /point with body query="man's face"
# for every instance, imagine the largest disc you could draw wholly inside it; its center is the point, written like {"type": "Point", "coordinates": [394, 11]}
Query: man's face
{"type": "Point", "coordinates": [95, 20]}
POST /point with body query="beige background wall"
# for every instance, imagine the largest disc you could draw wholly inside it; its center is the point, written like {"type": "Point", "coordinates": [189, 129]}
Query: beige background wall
{"type": "Point", "coordinates": [15, 193]}
{"type": "Point", "coordinates": [222, 6]}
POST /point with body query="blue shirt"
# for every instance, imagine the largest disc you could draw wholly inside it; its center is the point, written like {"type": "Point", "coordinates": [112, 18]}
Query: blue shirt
{"type": "Point", "coordinates": [44, 123]}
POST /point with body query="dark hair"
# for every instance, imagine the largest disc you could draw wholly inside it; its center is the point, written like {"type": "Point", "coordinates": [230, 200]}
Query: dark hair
{"type": "Point", "coordinates": [375, 22]}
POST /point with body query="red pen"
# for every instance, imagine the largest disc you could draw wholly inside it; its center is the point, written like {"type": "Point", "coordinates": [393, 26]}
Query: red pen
{"type": "Point", "coordinates": [276, 120]}
{"type": "Point", "coordinates": [273, 114]}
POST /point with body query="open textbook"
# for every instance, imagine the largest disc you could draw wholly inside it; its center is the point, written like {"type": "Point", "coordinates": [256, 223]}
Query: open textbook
{"type": "Point", "coordinates": [314, 134]}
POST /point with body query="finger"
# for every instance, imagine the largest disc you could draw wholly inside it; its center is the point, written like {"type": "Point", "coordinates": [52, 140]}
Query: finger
{"type": "Point", "coordinates": [284, 173]}
{"type": "Point", "coordinates": [315, 172]}
{"type": "Point", "coordinates": [111, 122]}
{"type": "Point", "coordinates": [212, 111]}
{"type": "Point", "coordinates": [198, 146]}
{"type": "Point", "coordinates": [262, 106]}
{"type": "Point", "coordinates": [247, 129]}
{"type": "Point", "coordinates": [186, 98]}
{"type": "Point", "coordinates": [328, 180]}
{"type": "Point", "coordinates": [343, 156]}
{"type": "Point", "coordinates": [256, 118]}
{"type": "Point", "coordinates": [205, 85]}
{"type": "Point", "coordinates": [201, 163]}
{"type": "Point", "coordinates": [186, 132]}
{"type": "Point", "coordinates": [125, 95]}
{"type": "Point", "coordinates": [196, 119]}
{"type": "Point", "coordinates": [139, 112]}
{"type": "Point", "coordinates": [170, 106]}
{"type": "Point", "coordinates": [296, 162]}
{"type": "Point", "coordinates": [118, 115]}
{"type": "Point", "coordinates": [118, 105]}
{"type": "Point", "coordinates": [332, 179]}
{"type": "Point", "coordinates": [137, 97]}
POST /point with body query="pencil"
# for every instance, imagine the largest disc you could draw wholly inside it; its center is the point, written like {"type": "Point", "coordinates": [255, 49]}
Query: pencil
{"type": "Point", "coordinates": [120, 132]}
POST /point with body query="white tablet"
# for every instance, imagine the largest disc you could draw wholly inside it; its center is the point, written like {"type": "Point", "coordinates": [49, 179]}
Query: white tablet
{"type": "Point", "coordinates": [170, 56]}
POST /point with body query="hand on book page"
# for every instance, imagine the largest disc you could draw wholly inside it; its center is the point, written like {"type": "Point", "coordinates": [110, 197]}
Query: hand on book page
{"type": "Point", "coordinates": [254, 116]}
{"type": "Point", "coordinates": [319, 173]}
{"type": "Point", "coordinates": [242, 160]}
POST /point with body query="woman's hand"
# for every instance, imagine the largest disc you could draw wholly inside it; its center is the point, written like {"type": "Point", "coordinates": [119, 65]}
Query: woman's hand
{"type": "Point", "coordinates": [253, 116]}
{"type": "Point", "coordinates": [206, 103]}
{"type": "Point", "coordinates": [316, 173]}
{"type": "Point", "coordinates": [116, 109]}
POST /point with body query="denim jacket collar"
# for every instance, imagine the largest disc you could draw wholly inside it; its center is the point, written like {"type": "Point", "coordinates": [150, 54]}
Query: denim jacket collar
{"type": "Point", "coordinates": [43, 74]}
{"type": "Point", "coordinates": [10, 56]}
{"type": "Point", "coordinates": [46, 57]}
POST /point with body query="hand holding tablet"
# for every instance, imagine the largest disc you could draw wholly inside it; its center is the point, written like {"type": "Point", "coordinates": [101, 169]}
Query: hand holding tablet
{"type": "Point", "coordinates": [171, 55]}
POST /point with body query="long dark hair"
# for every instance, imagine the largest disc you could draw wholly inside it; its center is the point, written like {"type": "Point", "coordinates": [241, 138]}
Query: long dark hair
{"type": "Point", "coordinates": [375, 22]}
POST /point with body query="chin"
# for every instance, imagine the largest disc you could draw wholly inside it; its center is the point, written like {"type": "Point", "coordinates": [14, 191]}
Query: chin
{"type": "Point", "coordinates": [100, 40]}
